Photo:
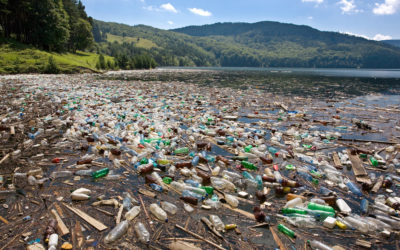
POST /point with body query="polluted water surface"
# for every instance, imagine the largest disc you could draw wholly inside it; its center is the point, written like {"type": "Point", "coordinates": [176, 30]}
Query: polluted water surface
{"type": "Point", "coordinates": [151, 159]}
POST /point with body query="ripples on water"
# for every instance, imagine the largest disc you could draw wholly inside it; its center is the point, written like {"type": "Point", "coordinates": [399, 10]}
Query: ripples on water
{"type": "Point", "coordinates": [319, 83]}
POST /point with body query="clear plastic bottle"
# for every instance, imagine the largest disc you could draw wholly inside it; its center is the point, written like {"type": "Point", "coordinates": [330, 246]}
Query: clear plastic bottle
{"type": "Point", "coordinates": [357, 224]}
{"type": "Point", "coordinates": [158, 212]}
{"type": "Point", "coordinates": [296, 202]}
{"type": "Point", "coordinates": [142, 233]}
{"type": "Point", "coordinates": [117, 232]}
{"type": "Point", "coordinates": [169, 207]}
{"type": "Point", "coordinates": [217, 222]}
{"type": "Point", "coordinates": [132, 213]}
{"type": "Point", "coordinates": [61, 174]}
{"type": "Point", "coordinates": [188, 208]}
{"type": "Point", "coordinates": [127, 201]}
{"type": "Point", "coordinates": [317, 245]}
{"type": "Point", "coordinates": [232, 200]}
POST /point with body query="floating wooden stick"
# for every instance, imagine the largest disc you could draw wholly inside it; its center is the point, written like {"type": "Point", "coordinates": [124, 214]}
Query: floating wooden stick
{"type": "Point", "coordinates": [60, 224]}
{"type": "Point", "coordinates": [119, 214]}
{"type": "Point", "coordinates": [277, 239]}
{"type": "Point", "coordinates": [4, 220]}
{"type": "Point", "coordinates": [199, 237]}
{"type": "Point", "coordinates": [5, 158]}
{"type": "Point", "coordinates": [92, 221]}
{"type": "Point", "coordinates": [245, 213]}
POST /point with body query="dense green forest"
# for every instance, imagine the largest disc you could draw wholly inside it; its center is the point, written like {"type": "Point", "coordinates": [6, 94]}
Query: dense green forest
{"type": "Point", "coordinates": [262, 44]}
{"type": "Point", "coordinates": [55, 28]}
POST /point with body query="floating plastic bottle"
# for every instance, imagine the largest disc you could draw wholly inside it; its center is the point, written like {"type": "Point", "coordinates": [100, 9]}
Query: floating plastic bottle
{"type": "Point", "coordinates": [374, 162]}
{"type": "Point", "coordinates": [353, 188]}
{"type": "Point", "coordinates": [248, 165]}
{"type": "Point", "coordinates": [343, 207]}
{"type": "Point", "coordinates": [117, 232]}
{"type": "Point", "coordinates": [315, 206]}
{"type": "Point", "coordinates": [181, 151]}
{"type": "Point", "coordinates": [232, 200]}
{"type": "Point", "coordinates": [282, 228]}
{"type": "Point", "coordinates": [53, 242]}
{"type": "Point", "coordinates": [100, 173]}
{"type": "Point", "coordinates": [296, 202]}
{"type": "Point", "coordinates": [158, 212]}
{"type": "Point", "coordinates": [127, 201]}
{"type": "Point", "coordinates": [290, 210]}
{"type": "Point", "coordinates": [142, 233]}
{"type": "Point", "coordinates": [156, 187]}
{"type": "Point", "coordinates": [169, 207]}
{"type": "Point", "coordinates": [364, 206]}
{"type": "Point", "coordinates": [132, 213]}
{"type": "Point", "coordinates": [317, 245]}
{"type": "Point", "coordinates": [61, 174]}
{"type": "Point", "coordinates": [217, 222]}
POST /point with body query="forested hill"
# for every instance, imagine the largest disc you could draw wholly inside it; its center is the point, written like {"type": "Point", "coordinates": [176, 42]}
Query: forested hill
{"type": "Point", "coordinates": [392, 42]}
{"type": "Point", "coordinates": [262, 44]}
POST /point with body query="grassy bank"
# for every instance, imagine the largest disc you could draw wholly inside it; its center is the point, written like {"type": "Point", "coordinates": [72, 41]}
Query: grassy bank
{"type": "Point", "coordinates": [20, 58]}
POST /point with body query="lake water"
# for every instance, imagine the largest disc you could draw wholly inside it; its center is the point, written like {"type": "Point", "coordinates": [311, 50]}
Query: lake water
{"type": "Point", "coordinates": [316, 83]}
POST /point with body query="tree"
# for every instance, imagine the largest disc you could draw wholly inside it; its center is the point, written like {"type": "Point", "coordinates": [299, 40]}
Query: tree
{"type": "Point", "coordinates": [96, 33]}
{"type": "Point", "coordinates": [49, 23]}
{"type": "Point", "coordinates": [81, 35]}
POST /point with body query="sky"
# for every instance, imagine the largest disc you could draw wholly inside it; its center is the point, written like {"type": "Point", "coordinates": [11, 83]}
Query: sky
{"type": "Point", "coordinates": [372, 19]}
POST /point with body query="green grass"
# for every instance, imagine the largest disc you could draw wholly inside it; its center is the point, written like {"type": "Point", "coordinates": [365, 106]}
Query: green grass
{"type": "Point", "coordinates": [20, 58]}
{"type": "Point", "coordinates": [141, 43]}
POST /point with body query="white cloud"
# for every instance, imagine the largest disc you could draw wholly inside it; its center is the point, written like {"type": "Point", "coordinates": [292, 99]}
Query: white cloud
{"type": "Point", "coordinates": [380, 37]}
{"type": "Point", "coordinates": [200, 12]}
{"type": "Point", "coordinates": [310, 18]}
{"type": "Point", "coordinates": [353, 34]}
{"type": "Point", "coordinates": [168, 7]}
{"type": "Point", "coordinates": [312, 1]}
{"type": "Point", "coordinates": [151, 8]}
{"type": "Point", "coordinates": [377, 37]}
{"type": "Point", "coordinates": [389, 7]}
{"type": "Point", "coordinates": [170, 22]}
{"type": "Point", "coordinates": [348, 6]}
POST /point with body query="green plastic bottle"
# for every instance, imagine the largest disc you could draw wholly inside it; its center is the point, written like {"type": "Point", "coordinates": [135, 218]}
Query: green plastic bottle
{"type": "Point", "coordinates": [249, 165]}
{"type": "Point", "coordinates": [144, 160]}
{"type": "Point", "coordinates": [287, 231]}
{"type": "Point", "coordinates": [209, 190]}
{"type": "Point", "coordinates": [291, 210]}
{"type": "Point", "coordinates": [247, 148]}
{"type": "Point", "coordinates": [182, 151]}
{"type": "Point", "coordinates": [373, 161]}
{"type": "Point", "coordinates": [100, 173]}
{"type": "Point", "coordinates": [167, 180]}
{"type": "Point", "coordinates": [315, 206]}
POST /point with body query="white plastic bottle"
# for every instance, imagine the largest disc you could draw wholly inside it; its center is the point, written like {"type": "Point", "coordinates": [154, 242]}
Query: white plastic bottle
{"type": "Point", "coordinates": [343, 207]}
{"type": "Point", "coordinates": [53, 242]}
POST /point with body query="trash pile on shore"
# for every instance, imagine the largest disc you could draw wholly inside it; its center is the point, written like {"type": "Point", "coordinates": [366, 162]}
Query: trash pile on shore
{"type": "Point", "coordinates": [95, 164]}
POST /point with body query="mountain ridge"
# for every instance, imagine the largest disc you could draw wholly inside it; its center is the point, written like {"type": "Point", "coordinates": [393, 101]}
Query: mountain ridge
{"type": "Point", "coordinates": [261, 44]}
